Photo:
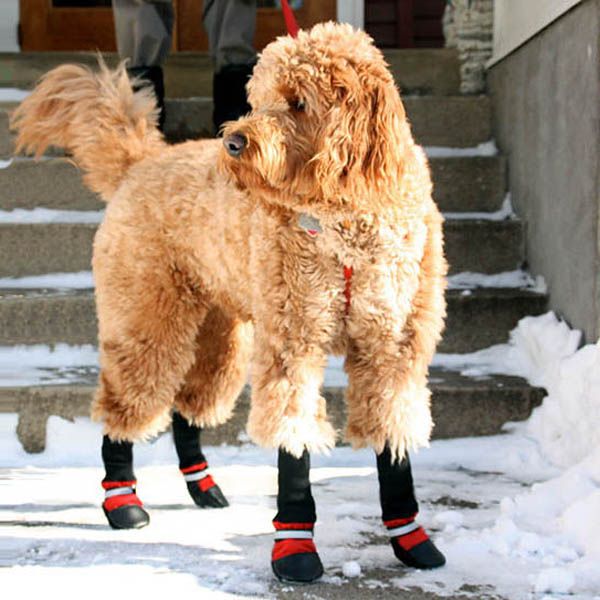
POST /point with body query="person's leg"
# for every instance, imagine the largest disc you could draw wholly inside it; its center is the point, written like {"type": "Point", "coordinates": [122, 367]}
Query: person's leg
{"type": "Point", "coordinates": [143, 30]}
{"type": "Point", "coordinates": [294, 556]}
{"type": "Point", "coordinates": [121, 505]}
{"type": "Point", "coordinates": [399, 509]}
{"type": "Point", "coordinates": [192, 463]}
{"type": "Point", "coordinates": [230, 25]}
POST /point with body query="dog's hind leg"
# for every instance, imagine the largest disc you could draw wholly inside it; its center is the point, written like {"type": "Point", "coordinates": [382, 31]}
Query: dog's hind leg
{"type": "Point", "coordinates": [223, 347]}
{"type": "Point", "coordinates": [148, 315]}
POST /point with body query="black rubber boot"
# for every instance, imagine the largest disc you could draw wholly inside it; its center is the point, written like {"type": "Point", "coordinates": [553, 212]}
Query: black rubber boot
{"type": "Point", "coordinates": [422, 556]}
{"type": "Point", "coordinates": [229, 94]}
{"type": "Point", "coordinates": [129, 516]}
{"type": "Point", "coordinates": [203, 490]}
{"type": "Point", "coordinates": [399, 508]}
{"type": "Point", "coordinates": [151, 77]}
{"type": "Point", "coordinates": [294, 558]}
{"type": "Point", "coordinates": [122, 507]}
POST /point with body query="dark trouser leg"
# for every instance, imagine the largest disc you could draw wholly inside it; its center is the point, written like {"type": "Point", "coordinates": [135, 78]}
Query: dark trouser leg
{"type": "Point", "coordinates": [294, 556]}
{"type": "Point", "coordinates": [143, 32]}
{"type": "Point", "coordinates": [121, 505]}
{"type": "Point", "coordinates": [194, 468]}
{"type": "Point", "coordinates": [230, 26]}
{"type": "Point", "coordinates": [399, 508]}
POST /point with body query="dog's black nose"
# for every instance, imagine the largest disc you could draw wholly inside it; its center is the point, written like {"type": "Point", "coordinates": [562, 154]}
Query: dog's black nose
{"type": "Point", "coordinates": [235, 144]}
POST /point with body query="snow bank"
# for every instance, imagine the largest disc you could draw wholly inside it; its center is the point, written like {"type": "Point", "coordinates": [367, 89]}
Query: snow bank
{"type": "Point", "coordinates": [558, 520]}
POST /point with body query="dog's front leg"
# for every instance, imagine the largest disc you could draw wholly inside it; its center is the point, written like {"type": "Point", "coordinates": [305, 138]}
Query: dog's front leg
{"type": "Point", "coordinates": [288, 410]}
{"type": "Point", "coordinates": [293, 325]}
{"type": "Point", "coordinates": [393, 331]}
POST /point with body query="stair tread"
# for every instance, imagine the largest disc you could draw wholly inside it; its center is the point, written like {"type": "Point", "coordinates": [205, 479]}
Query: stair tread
{"type": "Point", "coordinates": [441, 379]}
{"type": "Point", "coordinates": [452, 121]}
{"type": "Point", "coordinates": [454, 293]}
{"type": "Point", "coordinates": [417, 70]}
{"type": "Point", "coordinates": [461, 183]}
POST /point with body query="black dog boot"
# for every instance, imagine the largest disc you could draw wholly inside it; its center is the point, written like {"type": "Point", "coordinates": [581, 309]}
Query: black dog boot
{"type": "Point", "coordinates": [122, 507]}
{"type": "Point", "coordinates": [412, 545]}
{"type": "Point", "coordinates": [229, 94]}
{"type": "Point", "coordinates": [151, 77]}
{"type": "Point", "coordinates": [294, 558]}
{"type": "Point", "coordinates": [202, 488]}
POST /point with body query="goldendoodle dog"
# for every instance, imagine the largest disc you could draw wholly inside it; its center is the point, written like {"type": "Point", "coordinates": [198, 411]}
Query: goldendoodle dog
{"type": "Point", "coordinates": [308, 230]}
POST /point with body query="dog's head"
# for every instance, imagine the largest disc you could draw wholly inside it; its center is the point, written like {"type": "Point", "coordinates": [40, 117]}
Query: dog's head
{"type": "Point", "coordinates": [327, 127]}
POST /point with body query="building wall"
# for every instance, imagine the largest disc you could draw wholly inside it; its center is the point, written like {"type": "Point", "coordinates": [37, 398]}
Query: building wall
{"type": "Point", "coordinates": [9, 20]}
{"type": "Point", "coordinates": [515, 21]}
{"type": "Point", "coordinates": [546, 99]}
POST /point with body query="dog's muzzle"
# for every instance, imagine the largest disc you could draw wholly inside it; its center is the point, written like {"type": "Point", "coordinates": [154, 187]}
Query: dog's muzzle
{"type": "Point", "coordinates": [235, 144]}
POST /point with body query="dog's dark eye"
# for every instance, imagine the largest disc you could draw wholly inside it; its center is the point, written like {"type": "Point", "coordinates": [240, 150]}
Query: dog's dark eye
{"type": "Point", "coordinates": [298, 105]}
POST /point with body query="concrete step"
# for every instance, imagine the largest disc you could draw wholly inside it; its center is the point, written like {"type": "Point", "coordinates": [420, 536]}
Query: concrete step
{"type": "Point", "coordinates": [461, 407]}
{"type": "Point", "coordinates": [476, 318]}
{"type": "Point", "coordinates": [453, 121]}
{"type": "Point", "coordinates": [472, 183]}
{"type": "Point", "coordinates": [481, 246]}
{"type": "Point", "coordinates": [418, 71]}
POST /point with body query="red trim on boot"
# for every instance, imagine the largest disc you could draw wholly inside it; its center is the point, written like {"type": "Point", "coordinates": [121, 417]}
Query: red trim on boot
{"type": "Point", "coordinates": [111, 485]}
{"type": "Point", "coordinates": [292, 526]}
{"type": "Point", "coordinates": [194, 468]}
{"type": "Point", "coordinates": [399, 522]}
{"type": "Point", "coordinates": [412, 539]}
{"type": "Point", "coordinates": [206, 483]}
{"type": "Point", "coordinates": [283, 548]}
{"type": "Point", "coordinates": [118, 501]}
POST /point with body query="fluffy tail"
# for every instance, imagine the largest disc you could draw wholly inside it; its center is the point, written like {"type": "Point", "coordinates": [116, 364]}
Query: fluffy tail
{"type": "Point", "coordinates": [94, 116]}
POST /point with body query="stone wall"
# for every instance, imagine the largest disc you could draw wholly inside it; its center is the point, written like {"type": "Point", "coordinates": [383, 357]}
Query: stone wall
{"type": "Point", "coordinates": [468, 26]}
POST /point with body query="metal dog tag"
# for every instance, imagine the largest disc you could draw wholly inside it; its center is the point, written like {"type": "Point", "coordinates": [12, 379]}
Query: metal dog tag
{"type": "Point", "coordinates": [310, 224]}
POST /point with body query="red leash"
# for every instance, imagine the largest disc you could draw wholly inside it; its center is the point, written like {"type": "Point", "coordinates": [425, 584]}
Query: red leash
{"type": "Point", "coordinates": [290, 20]}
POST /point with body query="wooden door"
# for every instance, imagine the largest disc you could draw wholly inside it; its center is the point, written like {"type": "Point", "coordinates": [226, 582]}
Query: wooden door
{"type": "Point", "coordinates": [89, 25]}
{"type": "Point", "coordinates": [405, 23]}
{"type": "Point", "coordinates": [66, 25]}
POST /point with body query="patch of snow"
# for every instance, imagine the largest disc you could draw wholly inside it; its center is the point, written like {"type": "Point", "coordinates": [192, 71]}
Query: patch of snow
{"type": "Point", "coordinates": [62, 281]}
{"type": "Point", "coordinates": [504, 213]}
{"type": "Point", "coordinates": [43, 365]}
{"type": "Point", "coordinates": [50, 215]}
{"type": "Point", "coordinates": [4, 164]}
{"type": "Point", "coordinates": [351, 569]}
{"type": "Point", "coordinates": [485, 149]}
{"type": "Point", "coordinates": [509, 279]}
{"type": "Point", "coordinates": [8, 94]}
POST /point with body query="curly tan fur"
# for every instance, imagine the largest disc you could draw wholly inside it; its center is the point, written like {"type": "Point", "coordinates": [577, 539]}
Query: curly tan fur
{"type": "Point", "coordinates": [199, 248]}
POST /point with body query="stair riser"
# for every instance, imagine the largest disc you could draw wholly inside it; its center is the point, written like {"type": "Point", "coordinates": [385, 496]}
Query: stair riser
{"type": "Point", "coordinates": [460, 184]}
{"type": "Point", "coordinates": [484, 246]}
{"type": "Point", "coordinates": [190, 74]}
{"type": "Point", "coordinates": [455, 121]}
{"type": "Point", "coordinates": [472, 323]}
{"type": "Point", "coordinates": [33, 249]}
{"type": "Point", "coordinates": [456, 412]}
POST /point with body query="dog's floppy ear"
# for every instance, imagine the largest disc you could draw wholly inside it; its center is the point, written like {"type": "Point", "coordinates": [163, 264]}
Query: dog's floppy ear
{"type": "Point", "coordinates": [387, 132]}
{"type": "Point", "coordinates": [364, 135]}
